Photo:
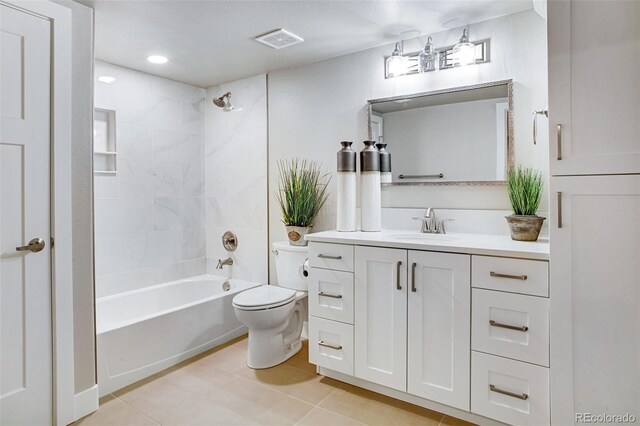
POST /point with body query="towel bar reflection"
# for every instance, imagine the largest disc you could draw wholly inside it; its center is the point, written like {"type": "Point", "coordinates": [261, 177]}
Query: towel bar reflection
{"type": "Point", "coordinates": [436, 176]}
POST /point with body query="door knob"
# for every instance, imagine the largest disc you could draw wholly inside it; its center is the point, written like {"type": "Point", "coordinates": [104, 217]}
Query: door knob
{"type": "Point", "coordinates": [35, 245]}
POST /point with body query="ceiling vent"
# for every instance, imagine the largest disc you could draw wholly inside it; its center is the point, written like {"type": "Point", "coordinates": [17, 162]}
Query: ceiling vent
{"type": "Point", "coordinates": [279, 39]}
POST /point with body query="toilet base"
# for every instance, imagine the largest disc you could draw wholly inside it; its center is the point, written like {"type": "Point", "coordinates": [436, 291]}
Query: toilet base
{"type": "Point", "coordinates": [267, 351]}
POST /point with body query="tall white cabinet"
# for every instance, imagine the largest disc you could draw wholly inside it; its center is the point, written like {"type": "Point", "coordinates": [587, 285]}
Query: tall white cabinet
{"type": "Point", "coordinates": [594, 88]}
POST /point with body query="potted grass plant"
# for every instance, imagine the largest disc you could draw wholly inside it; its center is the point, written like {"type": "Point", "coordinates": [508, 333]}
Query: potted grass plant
{"type": "Point", "coordinates": [525, 191]}
{"type": "Point", "coordinates": [302, 191]}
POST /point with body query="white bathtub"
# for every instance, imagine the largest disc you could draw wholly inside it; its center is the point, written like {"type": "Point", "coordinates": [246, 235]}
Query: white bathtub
{"type": "Point", "coordinates": [144, 331]}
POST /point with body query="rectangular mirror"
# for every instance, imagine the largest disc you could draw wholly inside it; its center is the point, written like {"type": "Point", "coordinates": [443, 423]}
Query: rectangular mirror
{"type": "Point", "coordinates": [461, 135]}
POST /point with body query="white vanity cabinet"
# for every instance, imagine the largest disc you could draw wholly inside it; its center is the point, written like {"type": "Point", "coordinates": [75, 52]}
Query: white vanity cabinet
{"type": "Point", "coordinates": [457, 329]}
{"type": "Point", "coordinates": [412, 324]}
{"type": "Point", "coordinates": [438, 327]}
{"type": "Point", "coordinates": [381, 319]}
{"type": "Point", "coordinates": [594, 87]}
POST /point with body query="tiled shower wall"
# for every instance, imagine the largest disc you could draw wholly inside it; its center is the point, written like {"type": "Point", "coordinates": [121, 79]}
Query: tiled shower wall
{"type": "Point", "coordinates": [236, 178]}
{"type": "Point", "coordinates": [150, 216]}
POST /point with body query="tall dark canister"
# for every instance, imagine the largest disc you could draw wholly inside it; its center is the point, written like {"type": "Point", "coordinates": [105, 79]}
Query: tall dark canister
{"type": "Point", "coordinates": [385, 163]}
{"type": "Point", "coordinates": [346, 193]}
{"type": "Point", "coordinates": [371, 203]}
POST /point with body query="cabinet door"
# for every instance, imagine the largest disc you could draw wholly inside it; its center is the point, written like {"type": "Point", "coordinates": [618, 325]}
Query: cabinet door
{"type": "Point", "coordinates": [594, 87]}
{"type": "Point", "coordinates": [381, 316]}
{"type": "Point", "coordinates": [595, 296]}
{"type": "Point", "coordinates": [439, 327]}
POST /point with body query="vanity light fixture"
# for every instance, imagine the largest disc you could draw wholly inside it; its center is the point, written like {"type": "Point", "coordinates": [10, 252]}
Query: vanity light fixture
{"type": "Point", "coordinates": [397, 64]}
{"type": "Point", "coordinates": [432, 58]}
{"type": "Point", "coordinates": [464, 53]}
{"type": "Point", "coordinates": [106, 79]}
{"type": "Point", "coordinates": [157, 59]}
{"type": "Point", "coordinates": [224, 102]}
{"type": "Point", "coordinates": [428, 58]}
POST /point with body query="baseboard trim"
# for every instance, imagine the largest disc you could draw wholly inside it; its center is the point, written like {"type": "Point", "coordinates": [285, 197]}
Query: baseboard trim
{"type": "Point", "coordinates": [85, 402]}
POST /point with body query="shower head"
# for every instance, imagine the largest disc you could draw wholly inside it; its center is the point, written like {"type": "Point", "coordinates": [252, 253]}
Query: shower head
{"type": "Point", "coordinates": [224, 102]}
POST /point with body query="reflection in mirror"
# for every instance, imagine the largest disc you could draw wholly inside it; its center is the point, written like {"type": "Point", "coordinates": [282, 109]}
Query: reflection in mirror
{"type": "Point", "coordinates": [460, 135]}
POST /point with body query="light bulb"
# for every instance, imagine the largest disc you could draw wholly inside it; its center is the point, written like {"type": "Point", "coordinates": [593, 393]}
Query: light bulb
{"type": "Point", "coordinates": [463, 53]}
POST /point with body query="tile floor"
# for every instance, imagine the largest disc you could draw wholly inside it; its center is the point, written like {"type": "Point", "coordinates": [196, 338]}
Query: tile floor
{"type": "Point", "coordinates": [217, 388]}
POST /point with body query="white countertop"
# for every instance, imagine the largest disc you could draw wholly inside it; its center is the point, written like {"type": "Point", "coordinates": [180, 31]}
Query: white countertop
{"type": "Point", "coordinates": [479, 244]}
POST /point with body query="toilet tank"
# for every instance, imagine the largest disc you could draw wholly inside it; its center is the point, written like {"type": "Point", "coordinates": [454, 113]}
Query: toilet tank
{"type": "Point", "coordinates": [290, 265]}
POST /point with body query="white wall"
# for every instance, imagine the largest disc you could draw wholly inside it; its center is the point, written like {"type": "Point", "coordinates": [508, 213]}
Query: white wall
{"type": "Point", "coordinates": [313, 107]}
{"type": "Point", "coordinates": [236, 178]}
{"type": "Point", "coordinates": [82, 203]}
{"type": "Point", "coordinates": [150, 216]}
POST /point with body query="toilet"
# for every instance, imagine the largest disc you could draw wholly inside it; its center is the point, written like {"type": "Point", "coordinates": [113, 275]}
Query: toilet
{"type": "Point", "coordinates": [275, 314]}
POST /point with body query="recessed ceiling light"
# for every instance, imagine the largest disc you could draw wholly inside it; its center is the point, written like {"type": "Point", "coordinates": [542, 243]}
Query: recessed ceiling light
{"type": "Point", "coordinates": [106, 79]}
{"type": "Point", "coordinates": [157, 59]}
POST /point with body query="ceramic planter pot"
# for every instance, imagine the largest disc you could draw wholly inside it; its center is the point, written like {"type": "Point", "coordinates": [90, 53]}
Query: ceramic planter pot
{"type": "Point", "coordinates": [296, 234]}
{"type": "Point", "coordinates": [525, 228]}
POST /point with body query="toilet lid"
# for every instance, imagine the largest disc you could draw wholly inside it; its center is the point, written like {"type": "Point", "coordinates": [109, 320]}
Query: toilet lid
{"type": "Point", "coordinates": [263, 297]}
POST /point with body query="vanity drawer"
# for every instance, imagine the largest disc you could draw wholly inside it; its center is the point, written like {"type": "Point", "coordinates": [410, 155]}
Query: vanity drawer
{"type": "Point", "coordinates": [331, 256]}
{"type": "Point", "coordinates": [510, 325]}
{"type": "Point", "coordinates": [512, 275]}
{"type": "Point", "coordinates": [509, 391]}
{"type": "Point", "coordinates": [331, 344]}
{"type": "Point", "coordinates": [331, 294]}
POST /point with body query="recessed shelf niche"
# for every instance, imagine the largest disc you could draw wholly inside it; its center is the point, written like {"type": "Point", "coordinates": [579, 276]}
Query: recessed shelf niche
{"type": "Point", "coordinates": [104, 142]}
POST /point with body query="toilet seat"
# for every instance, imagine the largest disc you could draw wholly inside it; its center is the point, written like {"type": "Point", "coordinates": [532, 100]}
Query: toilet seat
{"type": "Point", "coordinates": [263, 297]}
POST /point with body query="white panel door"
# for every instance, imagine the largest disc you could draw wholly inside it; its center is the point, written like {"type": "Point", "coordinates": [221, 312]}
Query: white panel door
{"type": "Point", "coordinates": [25, 276]}
{"type": "Point", "coordinates": [594, 87]}
{"type": "Point", "coordinates": [381, 316]}
{"type": "Point", "coordinates": [595, 296]}
{"type": "Point", "coordinates": [439, 327]}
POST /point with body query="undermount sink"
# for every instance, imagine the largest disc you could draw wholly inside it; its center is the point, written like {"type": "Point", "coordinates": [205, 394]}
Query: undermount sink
{"type": "Point", "coordinates": [426, 237]}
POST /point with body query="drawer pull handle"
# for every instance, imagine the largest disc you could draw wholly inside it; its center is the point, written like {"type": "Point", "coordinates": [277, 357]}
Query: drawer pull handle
{"type": "Point", "coordinates": [513, 277]}
{"type": "Point", "coordinates": [327, 345]}
{"type": "Point", "coordinates": [522, 396]}
{"type": "Point", "coordinates": [510, 327]}
{"type": "Point", "coordinates": [413, 277]}
{"type": "Point", "coordinates": [333, 296]}
{"type": "Point", "coordinates": [398, 265]}
{"type": "Point", "coordinates": [326, 256]}
{"type": "Point", "coordinates": [559, 141]}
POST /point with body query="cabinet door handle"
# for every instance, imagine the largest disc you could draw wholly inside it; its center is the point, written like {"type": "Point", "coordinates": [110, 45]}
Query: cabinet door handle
{"type": "Point", "coordinates": [510, 327]}
{"type": "Point", "coordinates": [522, 396]}
{"type": "Point", "coordinates": [413, 276]}
{"type": "Point", "coordinates": [333, 296]}
{"type": "Point", "coordinates": [559, 209]}
{"type": "Point", "coordinates": [559, 141]}
{"type": "Point", "coordinates": [328, 345]}
{"type": "Point", "coordinates": [398, 265]}
{"type": "Point", "coordinates": [326, 256]}
{"type": "Point", "coordinates": [513, 277]}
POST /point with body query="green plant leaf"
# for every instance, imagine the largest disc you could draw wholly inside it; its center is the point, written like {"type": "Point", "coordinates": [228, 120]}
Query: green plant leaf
{"type": "Point", "coordinates": [525, 190]}
{"type": "Point", "coordinates": [302, 191]}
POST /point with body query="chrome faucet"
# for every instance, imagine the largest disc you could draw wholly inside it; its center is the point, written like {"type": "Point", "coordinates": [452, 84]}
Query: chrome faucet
{"type": "Point", "coordinates": [431, 225]}
{"type": "Point", "coordinates": [227, 262]}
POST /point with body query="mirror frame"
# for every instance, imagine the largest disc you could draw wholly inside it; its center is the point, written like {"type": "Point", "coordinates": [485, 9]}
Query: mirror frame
{"type": "Point", "coordinates": [510, 143]}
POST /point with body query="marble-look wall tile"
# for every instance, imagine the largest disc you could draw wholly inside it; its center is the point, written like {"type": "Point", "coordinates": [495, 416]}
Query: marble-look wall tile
{"type": "Point", "coordinates": [150, 217]}
{"type": "Point", "coordinates": [236, 179]}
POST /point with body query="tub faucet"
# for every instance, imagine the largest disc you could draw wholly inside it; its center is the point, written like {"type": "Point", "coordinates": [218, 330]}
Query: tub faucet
{"type": "Point", "coordinates": [227, 262]}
